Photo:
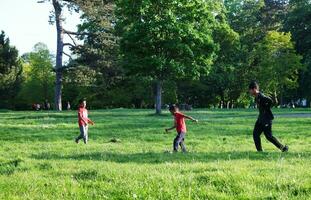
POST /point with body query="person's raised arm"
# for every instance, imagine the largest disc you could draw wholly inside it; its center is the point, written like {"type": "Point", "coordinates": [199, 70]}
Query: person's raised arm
{"type": "Point", "coordinates": [191, 118]}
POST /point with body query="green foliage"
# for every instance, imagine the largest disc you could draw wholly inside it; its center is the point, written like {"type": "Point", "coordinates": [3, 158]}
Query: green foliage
{"type": "Point", "coordinates": [202, 52]}
{"type": "Point", "coordinates": [224, 76]}
{"type": "Point", "coordinates": [39, 77]}
{"type": "Point", "coordinates": [221, 163]}
{"type": "Point", "coordinates": [298, 23]}
{"type": "Point", "coordinates": [174, 37]}
{"type": "Point", "coordinates": [79, 82]}
{"type": "Point", "coordinates": [10, 73]}
{"type": "Point", "coordinates": [278, 62]}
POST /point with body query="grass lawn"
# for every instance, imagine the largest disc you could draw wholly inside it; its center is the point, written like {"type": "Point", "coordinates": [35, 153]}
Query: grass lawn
{"type": "Point", "coordinates": [39, 159]}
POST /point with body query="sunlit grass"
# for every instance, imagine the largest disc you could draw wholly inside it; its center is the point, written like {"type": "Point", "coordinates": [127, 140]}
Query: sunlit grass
{"type": "Point", "coordinates": [128, 157]}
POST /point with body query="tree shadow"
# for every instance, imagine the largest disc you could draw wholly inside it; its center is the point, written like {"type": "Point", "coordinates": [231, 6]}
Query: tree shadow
{"type": "Point", "coordinates": [158, 158]}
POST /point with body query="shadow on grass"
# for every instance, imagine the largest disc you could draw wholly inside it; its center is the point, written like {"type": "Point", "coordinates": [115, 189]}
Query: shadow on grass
{"type": "Point", "coordinates": [154, 158]}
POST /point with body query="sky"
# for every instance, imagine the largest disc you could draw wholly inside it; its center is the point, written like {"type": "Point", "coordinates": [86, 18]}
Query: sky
{"type": "Point", "coordinates": [26, 23]}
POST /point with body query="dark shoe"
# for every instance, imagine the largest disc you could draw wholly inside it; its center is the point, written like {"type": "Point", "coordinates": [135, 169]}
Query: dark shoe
{"type": "Point", "coordinates": [285, 149]}
{"type": "Point", "coordinates": [77, 141]}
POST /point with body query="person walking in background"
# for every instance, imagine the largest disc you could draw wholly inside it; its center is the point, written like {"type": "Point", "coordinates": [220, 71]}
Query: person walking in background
{"type": "Point", "coordinates": [264, 121]}
{"type": "Point", "coordinates": [68, 105]}
{"type": "Point", "coordinates": [83, 122]}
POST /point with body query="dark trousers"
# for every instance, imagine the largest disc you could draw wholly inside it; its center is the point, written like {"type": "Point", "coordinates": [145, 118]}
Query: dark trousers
{"type": "Point", "coordinates": [267, 130]}
{"type": "Point", "coordinates": [179, 141]}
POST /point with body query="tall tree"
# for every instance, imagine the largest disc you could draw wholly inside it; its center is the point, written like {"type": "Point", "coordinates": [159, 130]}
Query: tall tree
{"type": "Point", "coordinates": [298, 22]}
{"type": "Point", "coordinates": [167, 39]}
{"type": "Point", "coordinates": [223, 74]}
{"type": "Point", "coordinates": [10, 72]}
{"type": "Point", "coordinates": [253, 20]}
{"type": "Point", "coordinates": [100, 49]}
{"type": "Point", "coordinates": [58, 18]}
{"type": "Point", "coordinates": [244, 18]}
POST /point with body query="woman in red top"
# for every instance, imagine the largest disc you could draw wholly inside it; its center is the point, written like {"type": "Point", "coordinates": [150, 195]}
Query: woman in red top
{"type": "Point", "coordinates": [180, 127]}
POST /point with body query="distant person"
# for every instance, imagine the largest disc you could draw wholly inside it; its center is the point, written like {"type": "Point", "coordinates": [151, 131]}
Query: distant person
{"type": "Point", "coordinates": [68, 105]}
{"type": "Point", "coordinates": [83, 121]}
{"type": "Point", "coordinates": [180, 126]}
{"type": "Point", "coordinates": [264, 121]}
{"type": "Point", "coordinates": [48, 106]}
{"type": "Point", "coordinates": [38, 107]}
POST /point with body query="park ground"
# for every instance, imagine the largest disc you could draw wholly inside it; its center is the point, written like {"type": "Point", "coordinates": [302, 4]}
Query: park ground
{"type": "Point", "coordinates": [128, 156]}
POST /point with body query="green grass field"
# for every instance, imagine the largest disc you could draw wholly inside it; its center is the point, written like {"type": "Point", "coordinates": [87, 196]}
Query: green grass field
{"type": "Point", "coordinates": [39, 159]}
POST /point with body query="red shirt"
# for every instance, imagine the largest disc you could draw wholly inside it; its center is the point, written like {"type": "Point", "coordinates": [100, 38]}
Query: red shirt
{"type": "Point", "coordinates": [180, 122]}
{"type": "Point", "coordinates": [82, 114]}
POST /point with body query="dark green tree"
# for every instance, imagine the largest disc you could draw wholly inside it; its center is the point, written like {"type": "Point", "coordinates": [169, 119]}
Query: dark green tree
{"type": "Point", "coordinates": [298, 22]}
{"type": "Point", "coordinates": [100, 49]}
{"type": "Point", "coordinates": [10, 73]}
{"type": "Point", "coordinates": [167, 40]}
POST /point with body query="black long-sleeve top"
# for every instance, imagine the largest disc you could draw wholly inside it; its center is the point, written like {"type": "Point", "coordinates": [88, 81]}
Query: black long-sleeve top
{"type": "Point", "coordinates": [264, 105]}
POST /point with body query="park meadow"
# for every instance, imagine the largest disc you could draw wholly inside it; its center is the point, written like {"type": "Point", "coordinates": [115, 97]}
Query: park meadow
{"type": "Point", "coordinates": [130, 65]}
{"type": "Point", "coordinates": [129, 156]}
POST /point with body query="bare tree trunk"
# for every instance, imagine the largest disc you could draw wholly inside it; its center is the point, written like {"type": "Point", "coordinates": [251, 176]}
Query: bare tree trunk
{"type": "Point", "coordinates": [158, 97]}
{"type": "Point", "coordinates": [59, 55]}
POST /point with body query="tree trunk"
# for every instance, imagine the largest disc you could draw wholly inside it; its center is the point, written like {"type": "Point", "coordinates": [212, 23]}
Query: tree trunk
{"type": "Point", "coordinates": [158, 105]}
{"type": "Point", "coordinates": [59, 55]}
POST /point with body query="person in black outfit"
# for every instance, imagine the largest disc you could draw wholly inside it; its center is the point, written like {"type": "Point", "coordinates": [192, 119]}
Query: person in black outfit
{"type": "Point", "coordinates": [264, 121]}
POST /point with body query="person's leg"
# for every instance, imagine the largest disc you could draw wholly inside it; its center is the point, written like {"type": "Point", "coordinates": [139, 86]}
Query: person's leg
{"type": "Point", "coordinates": [270, 137]}
{"type": "Point", "coordinates": [182, 142]}
{"type": "Point", "coordinates": [175, 144]}
{"type": "Point", "coordinates": [256, 136]}
{"type": "Point", "coordinates": [81, 134]}
{"type": "Point", "coordinates": [177, 141]}
{"type": "Point", "coordinates": [85, 136]}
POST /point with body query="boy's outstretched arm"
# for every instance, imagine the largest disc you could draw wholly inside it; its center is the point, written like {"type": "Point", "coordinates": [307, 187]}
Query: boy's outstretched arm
{"type": "Point", "coordinates": [168, 129]}
{"type": "Point", "coordinates": [191, 118]}
{"type": "Point", "coordinates": [90, 121]}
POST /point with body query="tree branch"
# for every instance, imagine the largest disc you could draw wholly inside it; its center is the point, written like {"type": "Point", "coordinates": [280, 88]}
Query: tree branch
{"type": "Point", "coordinates": [69, 44]}
{"type": "Point", "coordinates": [67, 55]}
{"type": "Point", "coordinates": [73, 40]}
{"type": "Point", "coordinates": [75, 33]}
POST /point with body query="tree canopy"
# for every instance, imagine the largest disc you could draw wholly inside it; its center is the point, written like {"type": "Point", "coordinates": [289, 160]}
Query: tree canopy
{"type": "Point", "coordinates": [147, 53]}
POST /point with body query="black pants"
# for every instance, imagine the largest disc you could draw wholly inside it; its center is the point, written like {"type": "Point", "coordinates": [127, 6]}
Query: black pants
{"type": "Point", "coordinates": [179, 140]}
{"type": "Point", "coordinates": [267, 129]}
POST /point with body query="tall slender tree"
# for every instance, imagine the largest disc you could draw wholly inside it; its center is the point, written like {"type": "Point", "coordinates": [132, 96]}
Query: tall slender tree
{"type": "Point", "coordinates": [58, 18]}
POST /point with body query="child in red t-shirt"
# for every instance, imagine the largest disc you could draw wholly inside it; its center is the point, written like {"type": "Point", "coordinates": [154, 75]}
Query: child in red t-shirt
{"type": "Point", "coordinates": [180, 127]}
{"type": "Point", "coordinates": [83, 121]}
